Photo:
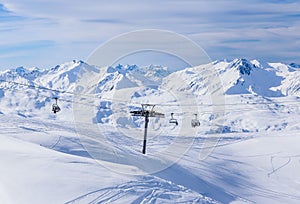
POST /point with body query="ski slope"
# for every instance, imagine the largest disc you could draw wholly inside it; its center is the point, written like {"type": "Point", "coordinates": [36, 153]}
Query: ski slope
{"type": "Point", "coordinates": [44, 162]}
{"type": "Point", "coordinates": [252, 157]}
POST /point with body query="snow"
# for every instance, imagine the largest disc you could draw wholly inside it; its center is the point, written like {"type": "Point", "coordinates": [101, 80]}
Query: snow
{"type": "Point", "coordinates": [252, 156]}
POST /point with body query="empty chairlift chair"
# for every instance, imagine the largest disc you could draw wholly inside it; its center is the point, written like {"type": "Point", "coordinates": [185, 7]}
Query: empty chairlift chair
{"type": "Point", "coordinates": [55, 107]}
{"type": "Point", "coordinates": [195, 122]}
{"type": "Point", "coordinates": [173, 120]}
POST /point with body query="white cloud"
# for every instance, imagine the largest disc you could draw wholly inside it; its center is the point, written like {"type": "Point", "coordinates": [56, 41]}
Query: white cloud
{"type": "Point", "coordinates": [225, 28]}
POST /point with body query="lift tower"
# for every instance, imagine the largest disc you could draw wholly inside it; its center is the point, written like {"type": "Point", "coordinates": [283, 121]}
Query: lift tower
{"type": "Point", "coordinates": [146, 111]}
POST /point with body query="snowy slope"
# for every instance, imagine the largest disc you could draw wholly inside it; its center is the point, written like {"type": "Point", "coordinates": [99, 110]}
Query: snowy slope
{"type": "Point", "coordinates": [44, 162]}
{"type": "Point", "coordinates": [291, 84]}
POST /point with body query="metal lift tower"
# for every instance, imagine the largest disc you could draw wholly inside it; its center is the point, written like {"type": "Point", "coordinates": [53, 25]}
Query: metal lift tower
{"type": "Point", "coordinates": [146, 111]}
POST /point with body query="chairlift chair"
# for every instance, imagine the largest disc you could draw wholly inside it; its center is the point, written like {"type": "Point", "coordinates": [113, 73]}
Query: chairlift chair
{"type": "Point", "coordinates": [195, 122]}
{"type": "Point", "coordinates": [173, 120]}
{"type": "Point", "coordinates": [55, 107]}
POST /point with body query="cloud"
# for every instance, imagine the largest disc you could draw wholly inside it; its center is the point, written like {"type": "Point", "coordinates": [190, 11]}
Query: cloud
{"type": "Point", "coordinates": [225, 28]}
{"type": "Point", "coordinates": [26, 46]}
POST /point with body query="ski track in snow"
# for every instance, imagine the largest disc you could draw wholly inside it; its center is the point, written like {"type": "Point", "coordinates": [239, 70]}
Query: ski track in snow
{"type": "Point", "coordinates": [274, 170]}
{"type": "Point", "coordinates": [148, 190]}
{"type": "Point", "coordinates": [279, 167]}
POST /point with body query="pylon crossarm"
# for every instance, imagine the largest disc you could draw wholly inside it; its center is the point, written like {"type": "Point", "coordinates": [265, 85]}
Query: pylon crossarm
{"type": "Point", "coordinates": [157, 115]}
{"type": "Point", "coordinates": [137, 113]}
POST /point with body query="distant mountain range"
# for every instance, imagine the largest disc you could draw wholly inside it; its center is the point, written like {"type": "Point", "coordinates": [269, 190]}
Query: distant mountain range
{"type": "Point", "coordinates": [30, 92]}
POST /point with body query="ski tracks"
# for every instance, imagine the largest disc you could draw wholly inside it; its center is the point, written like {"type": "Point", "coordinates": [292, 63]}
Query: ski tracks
{"type": "Point", "coordinates": [147, 190]}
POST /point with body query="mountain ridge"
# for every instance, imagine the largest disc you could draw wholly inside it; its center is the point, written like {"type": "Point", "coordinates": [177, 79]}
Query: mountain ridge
{"type": "Point", "coordinates": [240, 76]}
{"type": "Point", "coordinates": [30, 92]}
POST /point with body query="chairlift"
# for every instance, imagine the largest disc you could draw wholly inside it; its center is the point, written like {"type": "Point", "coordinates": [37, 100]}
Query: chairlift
{"type": "Point", "coordinates": [55, 107]}
{"type": "Point", "coordinates": [173, 120]}
{"type": "Point", "coordinates": [195, 122]}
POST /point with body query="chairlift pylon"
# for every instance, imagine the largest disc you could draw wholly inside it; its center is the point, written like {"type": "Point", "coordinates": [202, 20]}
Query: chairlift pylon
{"type": "Point", "coordinates": [173, 120]}
{"type": "Point", "coordinates": [146, 112]}
{"type": "Point", "coordinates": [55, 107]}
{"type": "Point", "coordinates": [195, 122]}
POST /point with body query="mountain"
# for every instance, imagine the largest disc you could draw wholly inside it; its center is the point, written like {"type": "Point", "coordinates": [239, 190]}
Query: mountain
{"type": "Point", "coordinates": [114, 91]}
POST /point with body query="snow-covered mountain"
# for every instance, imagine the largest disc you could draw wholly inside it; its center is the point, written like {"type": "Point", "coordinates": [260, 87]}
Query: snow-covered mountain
{"type": "Point", "coordinates": [249, 86]}
{"type": "Point", "coordinates": [239, 76]}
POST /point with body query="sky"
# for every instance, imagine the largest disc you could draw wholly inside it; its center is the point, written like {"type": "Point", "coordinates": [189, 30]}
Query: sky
{"type": "Point", "coordinates": [44, 33]}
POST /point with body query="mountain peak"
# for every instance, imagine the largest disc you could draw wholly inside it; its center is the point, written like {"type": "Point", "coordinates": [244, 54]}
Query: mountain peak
{"type": "Point", "coordinates": [27, 73]}
{"type": "Point", "coordinates": [68, 65]}
{"type": "Point", "coordinates": [126, 67]}
{"type": "Point", "coordinates": [122, 69]}
{"type": "Point", "coordinates": [294, 65]}
{"type": "Point", "coordinates": [156, 70]}
{"type": "Point", "coordinates": [243, 65]}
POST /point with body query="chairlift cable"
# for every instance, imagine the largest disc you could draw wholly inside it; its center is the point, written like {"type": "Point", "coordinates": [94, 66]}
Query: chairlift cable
{"type": "Point", "coordinates": [161, 104]}
{"type": "Point", "coordinates": [61, 99]}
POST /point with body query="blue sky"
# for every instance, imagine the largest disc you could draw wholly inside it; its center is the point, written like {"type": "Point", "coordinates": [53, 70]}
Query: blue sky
{"type": "Point", "coordinates": [44, 33]}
